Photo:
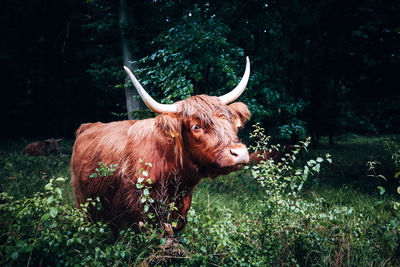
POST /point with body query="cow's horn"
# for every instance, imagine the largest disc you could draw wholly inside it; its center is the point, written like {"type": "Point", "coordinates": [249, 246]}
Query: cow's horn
{"type": "Point", "coordinates": [235, 93]}
{"type": "Point", "coordinates": [148, 100]}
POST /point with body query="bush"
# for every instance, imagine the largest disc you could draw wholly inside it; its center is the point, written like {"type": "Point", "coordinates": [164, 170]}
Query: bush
{"type": "Point", "coordinates": [308, 231]}
{"type": "Point", "coordinates": [44, 230]}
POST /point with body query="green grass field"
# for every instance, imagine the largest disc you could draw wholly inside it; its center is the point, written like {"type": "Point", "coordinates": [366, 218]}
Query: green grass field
{"type": "Point", "coordinates": [338, 217]}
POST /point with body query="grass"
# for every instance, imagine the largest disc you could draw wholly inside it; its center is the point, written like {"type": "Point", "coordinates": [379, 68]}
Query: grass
{"type": "Point", "coordinates": [23, 175]}
{"type": "Point", "coordinates": [350, 155]}
{"type": "Point", "coordinates": [341, 220]}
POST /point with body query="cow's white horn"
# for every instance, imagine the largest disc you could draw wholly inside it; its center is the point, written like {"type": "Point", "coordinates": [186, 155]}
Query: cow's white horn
{"type": "Point", "coordinates": [148, 100]}
{"type": "Point", "coordinates": [235, 93]}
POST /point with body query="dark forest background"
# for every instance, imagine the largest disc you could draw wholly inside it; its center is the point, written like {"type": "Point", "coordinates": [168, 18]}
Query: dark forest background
{"type": "Point", "coordinates": [328, 69]}
{"type": "Point", "coordinates": [318, 67]}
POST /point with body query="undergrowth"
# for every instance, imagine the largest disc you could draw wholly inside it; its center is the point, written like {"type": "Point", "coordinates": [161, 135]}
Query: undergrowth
{"type": "Point", "coordinates": [270, 214]}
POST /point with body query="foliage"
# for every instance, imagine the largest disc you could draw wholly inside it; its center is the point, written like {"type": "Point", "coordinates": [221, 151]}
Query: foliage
{"type": "Point", "coordinates": [280, 178]}
{"type": "Point", "coordinates": [23, 175]}
{"type": "Point", "coordinates": [104, 170]}
{"type": "Point", "coordinates": [344, 75]}
{"type": "Point", "coordinates": [159, 204]}
{"type": "Point", "coordinates": [286, 222]}
{"type": "Point", "coordinates": [197, 57]}
{"type": "Point", "coordinates": [269, 214]}
{"type": "Point", "coordinates": [194, 57]}
{"type": "Point", "coordinates": [46, 230]}
{"type": "Point", "coordinates": [144, 183]}
{"type": "Point", "coordinates": [393, 146]}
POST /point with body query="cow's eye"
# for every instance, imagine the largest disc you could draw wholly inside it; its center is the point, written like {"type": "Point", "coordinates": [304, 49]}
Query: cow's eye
{"type": "Point", "coordinates": [196, 127]}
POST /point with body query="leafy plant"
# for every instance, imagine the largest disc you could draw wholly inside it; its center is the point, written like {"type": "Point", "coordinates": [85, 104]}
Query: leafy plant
{"type": "Point", "coordinates": [393, 147]}
{"type": "Point", "coordinates": [104, 170]}
{"type": "Point", "coordinates": [144, 183]}
{"type": "Point", "coordinates": [35, 229]}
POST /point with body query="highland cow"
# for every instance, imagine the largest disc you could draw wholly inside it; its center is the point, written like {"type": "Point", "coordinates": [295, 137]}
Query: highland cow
{"type": "Point", "coordinates": [188, 140]}
{"type": "Point", "coordinates": [41, 148]}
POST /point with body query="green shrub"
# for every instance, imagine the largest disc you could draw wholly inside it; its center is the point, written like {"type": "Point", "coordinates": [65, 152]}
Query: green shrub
{"type": "Point", "coordinates": [393, 147]}
{"type": "Point", "coordinates": [308, 230]}
{"type": "Point", "coordinates": [45, 230]}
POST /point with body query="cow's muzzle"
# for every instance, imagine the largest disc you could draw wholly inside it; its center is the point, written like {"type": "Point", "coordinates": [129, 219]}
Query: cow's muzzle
{"type": "Point", "coordinates": [239, 154]}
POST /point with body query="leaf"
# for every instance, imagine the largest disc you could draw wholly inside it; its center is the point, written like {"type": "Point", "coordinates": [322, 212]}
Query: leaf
{"type": "Point", "coordinates": [381, 176]}
{"type": "Point", "coordinates": [60, 179]}
{"type": "Point", "coordinates": [59, 192]}
{"type": "Point", "coordinates": [53, 212]}
{"type": "Point", "coordinates": [139, 186]}
{"type": "Point", "coordinates": [140, 180]}
{"type": "Point", "coordinates": [49, 187]}
{"type": "Point", "coordinates": [146, 208]}
{"type": "Point", "coordinates": [50, 199]}
{"type": "Point", "coordinates": [45, 217]}
{"type": "Point", "coordinates": [146, 192]}
{"type": "Point", "coordinates": [14, 255]}
{"type": "Point", "coordinates": [311, 162]}
{"type": "Point", "coordinates": [316, 168]}
{"type": "Point", "coordinates": [145, 173]}
{"type": "Point", "coordinates": [306, 170]}
{"type": "Point", "coordinates": [381, 190]}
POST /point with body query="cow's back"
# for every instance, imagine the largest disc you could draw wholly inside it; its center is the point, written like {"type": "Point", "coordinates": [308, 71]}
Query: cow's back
{"type": "Point", "coordinates": [35, 149]}
{"type": "Point", "coordinates": [83, 127]}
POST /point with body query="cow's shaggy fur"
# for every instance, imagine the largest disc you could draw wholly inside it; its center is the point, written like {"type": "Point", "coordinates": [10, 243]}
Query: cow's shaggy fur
{"type": "Point", "coordinates": [182, 147]}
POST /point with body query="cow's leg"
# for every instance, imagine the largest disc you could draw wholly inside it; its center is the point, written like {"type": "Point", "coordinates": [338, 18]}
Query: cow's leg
{"type": "Point", "coordinates": [183, 209]}
{"type": "Point", "coordinates": [76, 189]}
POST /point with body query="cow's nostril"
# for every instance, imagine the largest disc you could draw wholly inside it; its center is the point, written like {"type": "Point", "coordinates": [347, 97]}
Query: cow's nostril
{"type": "Point", "coordinates": [234, 153]}
{"type": "Point", "coordinates": [239, 154]}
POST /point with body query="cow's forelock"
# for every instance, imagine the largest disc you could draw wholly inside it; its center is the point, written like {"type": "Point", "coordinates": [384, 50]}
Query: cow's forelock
{"type": "Point", "coordinates": [206, 109]}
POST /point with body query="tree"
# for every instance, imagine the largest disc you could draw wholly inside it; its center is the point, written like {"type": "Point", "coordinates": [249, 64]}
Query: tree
{"type": "Point", "coordinates": [318, 67]}
{"type": "Point", "coordinates": [194, 57]}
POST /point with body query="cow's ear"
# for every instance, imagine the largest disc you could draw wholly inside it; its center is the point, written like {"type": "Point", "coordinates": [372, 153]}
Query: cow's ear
{"type": "Point", "coordinates": [242, 113]}
{"type": "Point", "coordinates": [169, 124]}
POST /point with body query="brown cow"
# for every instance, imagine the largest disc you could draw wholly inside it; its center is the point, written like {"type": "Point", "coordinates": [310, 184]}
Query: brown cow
{"type": "Point", "coordinates": [45, 147]}
{"type": "Point", "coordinates": [188, 140]}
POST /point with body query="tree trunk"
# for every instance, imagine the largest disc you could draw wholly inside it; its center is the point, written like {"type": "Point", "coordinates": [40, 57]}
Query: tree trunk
{"type": "Point", "coordinates": [333, 111]}
{"type": "Point", "coordinates": [133, 102]}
